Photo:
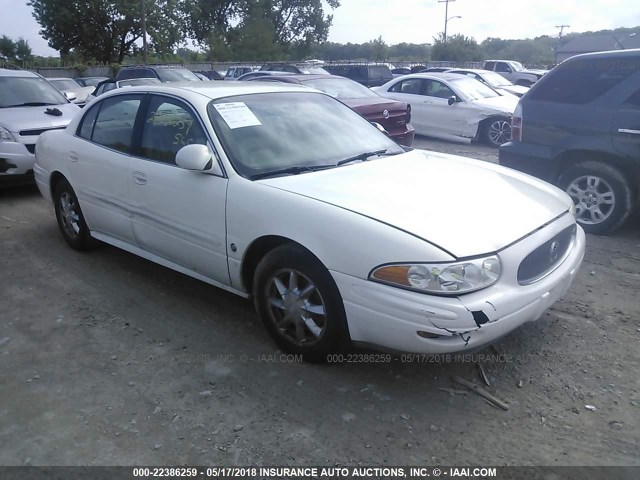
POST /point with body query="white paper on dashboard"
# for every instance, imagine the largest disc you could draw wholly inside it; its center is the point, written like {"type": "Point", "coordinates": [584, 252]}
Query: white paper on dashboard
{"type": "Point", "coordinates": [237, 114]}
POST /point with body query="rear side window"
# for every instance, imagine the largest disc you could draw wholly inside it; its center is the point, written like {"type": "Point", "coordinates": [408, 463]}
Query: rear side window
{"type": "Point", "coordinates": [88, 121]}
{"type": "Point", "coordinates": [114, 123]}
{"type": "Point", "coordinates": [489, 65]}
{"type": "Point", "coordinates": [580, 82]}
{"type": "Point", "coordinates": [380, 72]}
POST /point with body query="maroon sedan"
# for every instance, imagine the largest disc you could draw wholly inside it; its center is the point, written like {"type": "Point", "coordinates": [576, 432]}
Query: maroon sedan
{"type": "Point", "coordinates": [393, 115]}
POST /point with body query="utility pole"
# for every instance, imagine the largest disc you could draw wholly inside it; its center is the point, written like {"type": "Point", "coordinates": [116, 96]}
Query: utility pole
{"type": "Point", "coordinates": [144, 33]}
{"type": "Point", "coordinates": [446, 16]}
{"type": "Point", "coordinates": [562, 27]}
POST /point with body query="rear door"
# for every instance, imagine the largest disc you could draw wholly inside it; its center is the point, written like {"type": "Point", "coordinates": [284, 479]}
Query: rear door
{"type": "Point", "coordinates": [411, 90]}
{"type": "Point", "coordinates": [100, 158]}
{"type": "Point", "coordinates": [626, 128]}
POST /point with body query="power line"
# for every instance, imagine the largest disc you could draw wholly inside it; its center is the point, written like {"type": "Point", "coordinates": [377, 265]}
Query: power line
{"type": "Point", "coordinates": [562, 27]}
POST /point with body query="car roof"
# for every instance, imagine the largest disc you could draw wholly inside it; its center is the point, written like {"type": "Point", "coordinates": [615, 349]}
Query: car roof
{"type": "Point", "coordinates": [8, 72]}
{"type": "Point", "coordinates": [61, 78]}
{"type": "Point", "coordinates": [472, 70]}
{"type": "Point", "coordinates": [432, 76]}
{"type": "Point", "coordinates": [304, 77]}
{"type": "Point", "coordinates": [215, 90]}
{"type": "Point", "coordinates": [632, 52]}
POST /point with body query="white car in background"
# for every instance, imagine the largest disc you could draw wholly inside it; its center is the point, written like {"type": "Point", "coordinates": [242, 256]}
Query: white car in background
{"type": "Point", "coordinates": [452, 106]}
{"type": "Point", "coordinates": [492, 79]}
{"type": "Point", "coordinates": [72, 89]}
{"type": "Point", "coordinates": [283, 194]}
{"type": "Point", "coordinates": [29, 106]}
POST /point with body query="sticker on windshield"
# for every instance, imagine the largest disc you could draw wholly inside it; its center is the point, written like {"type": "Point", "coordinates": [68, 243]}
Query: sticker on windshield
{"type": "Point", "coordinates": [237, 115]}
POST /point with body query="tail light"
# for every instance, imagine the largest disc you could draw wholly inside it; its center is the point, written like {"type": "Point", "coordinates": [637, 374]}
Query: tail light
{"type": "Point", "coordinates": [408, 115]}
{"type": "Point", "coordinates": [516, 124]}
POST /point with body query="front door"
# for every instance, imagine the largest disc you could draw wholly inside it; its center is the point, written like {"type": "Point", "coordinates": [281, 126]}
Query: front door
{"type": "Point", "coordinates": [177, 214]}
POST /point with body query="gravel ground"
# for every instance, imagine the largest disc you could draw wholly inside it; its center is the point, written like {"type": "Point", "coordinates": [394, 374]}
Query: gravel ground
{"type": "Point", "coordinates": [107, 359]}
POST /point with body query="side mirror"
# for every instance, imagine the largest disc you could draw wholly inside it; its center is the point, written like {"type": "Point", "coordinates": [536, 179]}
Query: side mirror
{"type": "Point", "coordinates": [380, 127]}
{"type": "Point", "coordinates": [197, 157]}
{"type": "Point", "coordinates": [452, 99]}
{"type": "Point", "coordinates": [70, 96]}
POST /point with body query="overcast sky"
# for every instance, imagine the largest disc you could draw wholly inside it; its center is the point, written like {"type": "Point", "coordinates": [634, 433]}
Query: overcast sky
{"type": "Point", "coordinates": [417, 21]}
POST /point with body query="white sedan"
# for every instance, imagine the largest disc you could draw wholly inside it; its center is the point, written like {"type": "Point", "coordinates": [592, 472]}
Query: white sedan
{"type": "Point", "coordinates": [494, 80]}
{"type": "Point", "coordinates": [284, 194]}
{"type": "Point", "coordinates": [453, 106]}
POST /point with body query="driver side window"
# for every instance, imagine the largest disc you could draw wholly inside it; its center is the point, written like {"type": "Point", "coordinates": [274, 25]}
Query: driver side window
{"type": "Point", "coordinates": [169, 125]}
{"type": "Point", "coordinates": [503, 67]}
{"type": "Point", "coordinates": [438, 89]}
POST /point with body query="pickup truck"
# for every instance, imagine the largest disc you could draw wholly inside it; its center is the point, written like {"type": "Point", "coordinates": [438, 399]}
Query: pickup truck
{"type": "Point", "coordinates": [514, 71]}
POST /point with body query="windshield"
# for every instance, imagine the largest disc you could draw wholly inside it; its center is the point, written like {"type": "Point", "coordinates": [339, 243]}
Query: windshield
{"type": "Point", "coordinates": [176, 75]}
{"type": "Point", "coordinates": [340, 87]}
{"type": "Point", "coordinates": [18, 91]}
{"type": "Point", "coordinates": [266, 132]}
{"type": "Point", "coordinates": [314, 70]}
{"type": "Point", "coordinates": [495, 79]}
{"type": "Point", "coordinates": [473, 89]}
{"type": "Point", "coordinates": [92, 81]}
{"type": "Point", "coordinates": [65, 85]}
{"type": "Point", "coordinates": [517, 66]}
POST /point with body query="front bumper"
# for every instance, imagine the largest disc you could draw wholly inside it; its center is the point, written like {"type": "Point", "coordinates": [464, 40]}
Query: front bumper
{"type": "Point", "coordinates": [391, 318]}
{"type": "Point", "coordinates": [15, 159]}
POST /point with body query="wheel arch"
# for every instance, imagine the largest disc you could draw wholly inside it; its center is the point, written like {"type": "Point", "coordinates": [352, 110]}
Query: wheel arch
{"type": "Point", "coordinates": [55, 178]}
{"type": "Point", "coordinates": [571, 158]}
{"type": "Point", "coordinates": [257, 250]}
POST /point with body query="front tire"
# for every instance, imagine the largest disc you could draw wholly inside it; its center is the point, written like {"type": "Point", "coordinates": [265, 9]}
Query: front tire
{"type": "Point", "coordinates": [602, 194]}
{"type": "Point", "coordinates": [299, 303]}
{"type": "Point", "coordinates": [496, 131]}
{"type": "Point", "coordinates": [70, 219]}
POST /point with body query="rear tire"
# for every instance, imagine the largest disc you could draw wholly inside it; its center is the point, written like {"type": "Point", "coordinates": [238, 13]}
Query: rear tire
{"type": "Point", "coordinates": [603, 196]}
{"type": "Point", "coordinates": [299, 303]}
{"type": "Point", "coordinates": [70, 219]}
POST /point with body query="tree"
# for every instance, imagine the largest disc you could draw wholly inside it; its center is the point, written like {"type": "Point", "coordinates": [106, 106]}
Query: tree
{"type": "Point", "coordinates": [106, 30]}
{"type": "Point", "coordinates": [7, 48]}
{"type": "Point", "coordinates": [457, 48]}
{"type": "Point", "coordinates": [23, 50]}
{"type": "Point", "coordinates": [292, 24]}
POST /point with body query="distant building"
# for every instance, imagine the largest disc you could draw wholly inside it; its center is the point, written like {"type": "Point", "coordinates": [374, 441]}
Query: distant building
{"type": "Point", "coordinates": [597, 42]}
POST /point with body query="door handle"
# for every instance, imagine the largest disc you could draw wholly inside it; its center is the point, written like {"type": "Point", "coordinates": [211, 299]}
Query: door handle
{"type": "Point", "coordinates": [73, 156]}
{"type": "Point", "coordinates": [629, 130]}
{"type": "Point", "coordinates": [139, 178]}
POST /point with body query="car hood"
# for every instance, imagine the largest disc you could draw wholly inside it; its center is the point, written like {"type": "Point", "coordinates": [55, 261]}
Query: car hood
{"type": "Point", "coordinates": [466, 207]}
{"type": "Point", "coordinates": [515, 89]}
{"type": "Point", "coordinates": [17, 119]}
{"type": "Point", "coordinates": [536, 72]}
{"type": "Point", "coordinates": [502, 103]}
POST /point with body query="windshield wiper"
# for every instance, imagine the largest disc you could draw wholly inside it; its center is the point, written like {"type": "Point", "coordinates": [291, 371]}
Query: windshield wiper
{"type": "Point", "coordinates": [291, 171]}
{"type": "Point", "coordinates": [31, 104]}
{"type": "Point", "coordinates": [362, 156]}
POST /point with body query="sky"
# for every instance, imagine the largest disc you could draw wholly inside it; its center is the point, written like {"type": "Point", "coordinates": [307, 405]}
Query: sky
{"type": "Point", "coordinates": [417, 21]}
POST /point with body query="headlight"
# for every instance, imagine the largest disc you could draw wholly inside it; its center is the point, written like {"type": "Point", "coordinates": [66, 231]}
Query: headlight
{"type": "Point", "coordinates": [441, 278]}
{"type": "Point", "coordinates": [6, 135]}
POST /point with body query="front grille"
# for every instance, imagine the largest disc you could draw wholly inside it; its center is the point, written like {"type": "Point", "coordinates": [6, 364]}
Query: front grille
{"type": "Point", "coordinates": [39, 131]}
{"type": "Point", "coordinates": [546, 258]}
{"type": "Point", "coordinates": [31, 147]}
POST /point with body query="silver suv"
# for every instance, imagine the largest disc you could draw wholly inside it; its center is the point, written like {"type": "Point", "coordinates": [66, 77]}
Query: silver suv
{"type": "Point", "coordinates": [29, 105]}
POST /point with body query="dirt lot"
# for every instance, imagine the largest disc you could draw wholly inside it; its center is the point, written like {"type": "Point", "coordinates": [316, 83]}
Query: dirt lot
{"type": "Point", "coordinates": [107, 359]}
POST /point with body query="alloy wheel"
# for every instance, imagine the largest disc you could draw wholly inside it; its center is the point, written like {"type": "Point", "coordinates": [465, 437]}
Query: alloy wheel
{"type": "Point", "coordinates": [499, 132]}
{"type": "Point", "coordinates": [69, 214]}
{"type": "Point", "coordinates": [296, 307]}
{"type": "Point", "coordinates": [594, 199]}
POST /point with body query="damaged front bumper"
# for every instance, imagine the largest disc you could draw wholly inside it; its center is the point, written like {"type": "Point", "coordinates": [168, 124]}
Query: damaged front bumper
{"type": "Point", "coordinates": [408, 321]}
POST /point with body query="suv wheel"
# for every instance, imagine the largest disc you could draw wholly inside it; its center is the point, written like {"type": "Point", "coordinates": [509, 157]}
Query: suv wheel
{"type": "Point", "coordinates": [601, 193]}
